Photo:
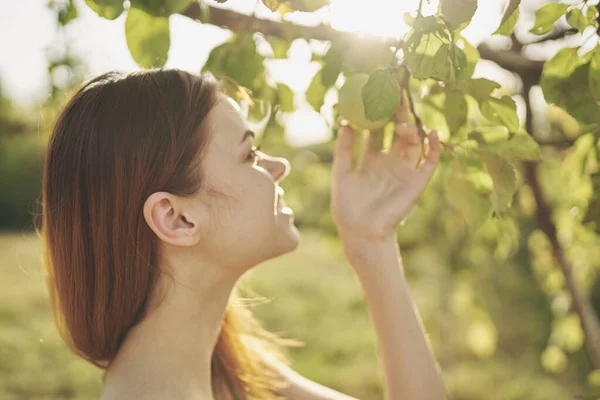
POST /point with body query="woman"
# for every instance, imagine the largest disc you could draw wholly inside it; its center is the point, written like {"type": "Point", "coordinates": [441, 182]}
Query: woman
{"type": "Point", "coordinates": [155, 203]}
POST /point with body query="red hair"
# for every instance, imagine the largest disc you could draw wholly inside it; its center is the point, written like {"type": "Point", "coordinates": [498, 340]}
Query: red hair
{"type": "Point", "coordinates": [119, 139]}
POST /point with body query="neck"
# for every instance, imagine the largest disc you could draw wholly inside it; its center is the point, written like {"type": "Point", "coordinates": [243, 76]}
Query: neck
{"type": "Point", "coordinates": [172, 347]}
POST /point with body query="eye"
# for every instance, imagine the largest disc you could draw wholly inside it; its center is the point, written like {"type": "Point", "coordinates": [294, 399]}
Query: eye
{"type": "Point", "coordinates": [253, 155]}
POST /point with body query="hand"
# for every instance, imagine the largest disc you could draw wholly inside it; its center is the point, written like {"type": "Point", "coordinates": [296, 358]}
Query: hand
{"type": "Point", "coordinates": [368, 203]}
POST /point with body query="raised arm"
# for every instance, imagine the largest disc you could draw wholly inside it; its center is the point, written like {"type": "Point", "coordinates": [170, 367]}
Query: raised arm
{"type": "Point", "coordinates": [367, 205]}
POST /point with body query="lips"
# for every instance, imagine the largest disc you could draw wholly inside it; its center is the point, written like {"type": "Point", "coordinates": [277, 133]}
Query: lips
{"type": "Point", "coordinates": [280, 202]}
{"type": "Point", "coordinates": [282, 208]}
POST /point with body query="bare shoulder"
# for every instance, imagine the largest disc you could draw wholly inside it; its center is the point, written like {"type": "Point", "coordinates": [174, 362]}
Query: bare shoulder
{"type": "Point", "coordinates": [301, 388]}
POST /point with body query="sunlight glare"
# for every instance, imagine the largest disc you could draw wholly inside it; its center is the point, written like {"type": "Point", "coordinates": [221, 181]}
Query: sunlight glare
{"type": "Point", "coordinates": [386, 17]}
{"type": "Point", "coordinates": [379, 17]}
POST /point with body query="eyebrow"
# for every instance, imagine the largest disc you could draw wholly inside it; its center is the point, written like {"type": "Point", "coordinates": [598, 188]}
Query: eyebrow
{"type": "Point", "coordinates": [246, 134]}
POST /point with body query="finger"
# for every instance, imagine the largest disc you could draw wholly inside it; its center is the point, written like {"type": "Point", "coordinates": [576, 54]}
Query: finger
{"type": "Point", "coordinates": [342, 157]}
{"type": "Point", "coordinates": [372, 148]}
{"type": "Point", "coordinates": [402, 115]}
{"type": "Point", "coordinates": [408, 143]}
{"type": "Point", "coordinates": [432, 158]}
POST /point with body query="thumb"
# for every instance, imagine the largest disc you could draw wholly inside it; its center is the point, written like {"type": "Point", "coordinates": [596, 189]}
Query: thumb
{"type": "Point", "coordinates": [342, 156]}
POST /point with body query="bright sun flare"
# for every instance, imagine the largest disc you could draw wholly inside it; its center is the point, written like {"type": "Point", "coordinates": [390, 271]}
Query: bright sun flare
{"type": "Point", "coordinates": [386, 17]}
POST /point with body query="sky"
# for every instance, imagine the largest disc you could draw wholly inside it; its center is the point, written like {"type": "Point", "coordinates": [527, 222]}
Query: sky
{"type": "Point", "coordinates": [27, 27]}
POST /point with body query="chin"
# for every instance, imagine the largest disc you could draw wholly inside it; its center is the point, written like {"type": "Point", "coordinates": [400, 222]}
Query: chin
{"type": "Point", "coordinates": [292, 239]}
{"type": "Point", "coordinates": [287, 236]}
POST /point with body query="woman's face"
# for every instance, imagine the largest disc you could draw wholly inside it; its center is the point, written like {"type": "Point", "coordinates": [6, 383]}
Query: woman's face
{"type": "Point", "coordinates": [246, 226]}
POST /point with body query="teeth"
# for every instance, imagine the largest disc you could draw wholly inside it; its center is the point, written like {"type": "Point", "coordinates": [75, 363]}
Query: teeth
{"type": "Point", "coordinates": [279, 190]}
{"type": "Point", "coordinates": [286, 210]}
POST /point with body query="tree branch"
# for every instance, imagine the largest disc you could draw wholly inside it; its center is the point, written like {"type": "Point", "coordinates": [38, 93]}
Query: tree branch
{"type": "Point", "coordinates": [556, 35]}
{"type": "Point", "coordinates": [581, 303]}
{"type": "Point", "coordinates": [233, 20]}
{"type": "Point", "coordinates": [228, 19]}
{"type": "Point", "coordinates": [512, 61]}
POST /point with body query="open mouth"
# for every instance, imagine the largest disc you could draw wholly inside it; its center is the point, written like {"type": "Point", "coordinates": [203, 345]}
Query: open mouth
{"type": "Point", "coordinates": [281, 206]}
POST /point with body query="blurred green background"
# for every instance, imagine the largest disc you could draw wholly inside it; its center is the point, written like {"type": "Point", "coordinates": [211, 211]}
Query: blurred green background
{"type": "Point", "coordinates": [493, 301]}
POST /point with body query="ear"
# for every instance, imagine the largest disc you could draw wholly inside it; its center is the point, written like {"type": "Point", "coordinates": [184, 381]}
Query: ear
{"type": "Point", "coordinates": [174, 220]}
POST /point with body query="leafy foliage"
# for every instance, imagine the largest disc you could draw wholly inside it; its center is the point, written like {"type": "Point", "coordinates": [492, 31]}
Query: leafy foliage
{"type": "Point", "coordinates": [426, 48]}
{"type": "Point", "coordinates": [568, 80]}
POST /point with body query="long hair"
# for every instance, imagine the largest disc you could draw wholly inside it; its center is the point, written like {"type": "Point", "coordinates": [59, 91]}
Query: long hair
{"type": "Point", "coordinates": [120, 138]}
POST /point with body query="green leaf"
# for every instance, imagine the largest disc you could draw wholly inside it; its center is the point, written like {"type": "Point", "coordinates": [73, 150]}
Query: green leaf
{"type": "Point", "coordinates": [458, 65]}
{"type": "Point", "coordinates": [380, 95]}
{"type": "Point", "coordinates": [260, 106]}
{"type": "Point", "coordinates": [471, 201]}
{"type": "Point", "coordinates": [351, 105]}
{"type": "Point", "coordinates": [595, 73]}
{"type": "Point", "coordinates": [161, 8]}
{"type": "Point", "coordinates": [546, 16]}
{"type": "Point", "coordinates": [147, 38]}
{"type": "Point", "coordinates": [315, 94]}
{"type": "Point", "coordinates": [576, 19]}
{"type": "Point", "coordinates": [238, 59]}
{"type": "Point", "coordinates": [502, 111]}
{"type": "Point", "coordinates": [573, 93]}
{"type": "Point", "coordinates": [333, 64]}
{"type": "Point", "coordinates": [520, 146]}
{"type": "Point", "coordinates": [280, 47]}
{"type": "Point", "coordinates": [509, 18]}
{"type": "Point", "coordinates": [489, 134]}
{"type": "Point", "coordinates": [176, 6]}
{"type": "Point", "coordinates": [472, 55]}
{"type": "Point", "coordinates": [504, 179]}
{"type": "Point", "coordinates": [481, 88]}
{"type": "Point", "coordinates": [426, 48]}
{"type": "Point", "coordinates": [286, 97]}
{"type": "Point", "coordinates": [455, 110]}
{"type": "Point", "coordinates": [508, 27]}
{"type": "Point", "coordinates": [272, 5]}
{"type": "Point", "coordinates": [457, 13]}
{"type": "Point", "coordinates": [67, 13]}
{"type": "Point", "coordinates": [109, 9]}
{"type": "Point", "coordinates": [563, 63]}
{"type": "Point", "coordinates": [592, 16]}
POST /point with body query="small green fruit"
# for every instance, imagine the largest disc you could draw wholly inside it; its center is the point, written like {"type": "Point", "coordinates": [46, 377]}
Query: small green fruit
{"type": "Point", "coordinates": [350, 105]}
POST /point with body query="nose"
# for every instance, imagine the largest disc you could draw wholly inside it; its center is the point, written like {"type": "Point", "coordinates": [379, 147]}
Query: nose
{"type": "Point", "coordinates": [278, 167]}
